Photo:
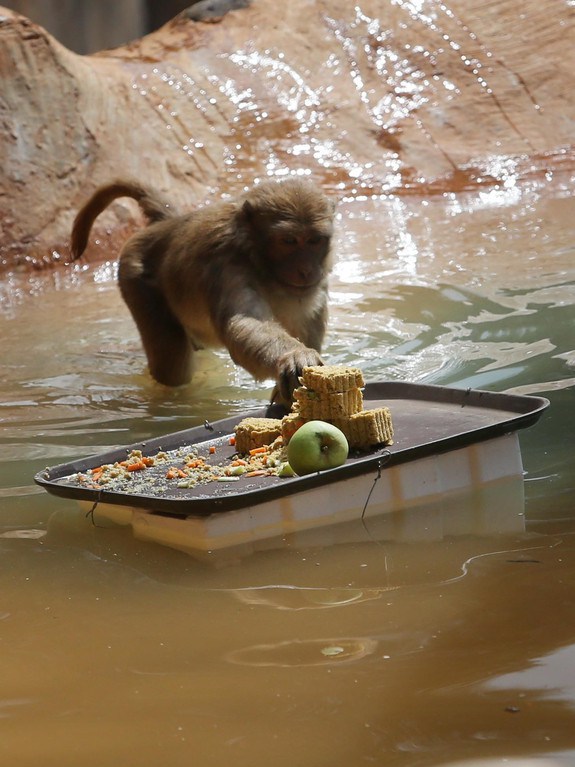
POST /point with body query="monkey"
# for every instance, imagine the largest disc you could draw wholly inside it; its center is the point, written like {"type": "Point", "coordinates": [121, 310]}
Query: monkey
{"type": "Point", "coordinates": [249, 274]}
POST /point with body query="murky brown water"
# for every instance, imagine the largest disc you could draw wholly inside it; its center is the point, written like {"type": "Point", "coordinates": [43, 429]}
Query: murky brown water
{"type": "Point", "coordinates": [370, 652]}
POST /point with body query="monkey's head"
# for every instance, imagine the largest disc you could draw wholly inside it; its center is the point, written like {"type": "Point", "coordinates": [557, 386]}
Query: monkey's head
{"type": "Point", "coordinates": [290, 226]}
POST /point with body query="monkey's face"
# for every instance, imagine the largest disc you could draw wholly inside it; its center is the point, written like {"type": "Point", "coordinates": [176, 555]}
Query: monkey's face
{"type": "Point", "coordinates": [289, 226]}
{"type": "Point", "coordinates": [298, 258]}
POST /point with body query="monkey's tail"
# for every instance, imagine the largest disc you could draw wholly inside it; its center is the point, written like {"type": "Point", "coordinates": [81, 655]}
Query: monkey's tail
{"type": "Point", "coordinates": [153, 207]}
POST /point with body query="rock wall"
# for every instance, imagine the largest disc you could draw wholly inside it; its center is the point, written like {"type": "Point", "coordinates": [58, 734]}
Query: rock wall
{"type": "Point", "coordinates": [374, 98]}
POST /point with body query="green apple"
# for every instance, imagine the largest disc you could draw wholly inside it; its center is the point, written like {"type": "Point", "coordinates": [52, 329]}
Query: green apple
{"type": "Point", "coordinates": [315, 446]}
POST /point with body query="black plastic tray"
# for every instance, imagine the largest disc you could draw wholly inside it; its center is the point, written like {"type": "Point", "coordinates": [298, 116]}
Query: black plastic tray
{"type": "Point", "coordinates": [426, 419]}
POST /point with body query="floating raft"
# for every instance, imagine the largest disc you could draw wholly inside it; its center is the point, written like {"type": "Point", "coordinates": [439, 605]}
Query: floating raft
{"type": "Point", "coordinates": [448, 443]}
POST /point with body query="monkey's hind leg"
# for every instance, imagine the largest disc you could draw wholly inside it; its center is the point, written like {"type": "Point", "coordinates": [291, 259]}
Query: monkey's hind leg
{"type": "Point", "coordinates": [166, 343]}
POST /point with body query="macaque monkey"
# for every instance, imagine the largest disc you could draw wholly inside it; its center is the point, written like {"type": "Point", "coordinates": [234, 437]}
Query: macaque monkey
{"type": "Point", "coordinates": [249, 274]}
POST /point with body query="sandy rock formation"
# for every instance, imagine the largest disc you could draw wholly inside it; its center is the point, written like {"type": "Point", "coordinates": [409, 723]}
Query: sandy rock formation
{"type": "Point", "coordinates": [368, 98]}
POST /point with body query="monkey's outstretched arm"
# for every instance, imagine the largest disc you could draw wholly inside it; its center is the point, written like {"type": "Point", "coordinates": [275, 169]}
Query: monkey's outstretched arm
{"type": "Point", "coordinates": [250, 327]}
{"type": "Point", "coordinates": [266, 350]}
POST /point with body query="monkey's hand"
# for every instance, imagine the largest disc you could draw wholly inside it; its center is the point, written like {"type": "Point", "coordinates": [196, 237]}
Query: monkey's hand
{"type": "Point", "coordinates": [290, 368]}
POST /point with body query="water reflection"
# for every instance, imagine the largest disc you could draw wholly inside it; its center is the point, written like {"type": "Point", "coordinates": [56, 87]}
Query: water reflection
{"type": "Point", "coordinates": [295, 598]}
{"type": "Point", "coordinates": [318, 652]}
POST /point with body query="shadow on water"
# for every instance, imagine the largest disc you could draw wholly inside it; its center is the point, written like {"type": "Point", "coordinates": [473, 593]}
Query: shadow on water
{"type": "Point", "coordinates": [374, 649]}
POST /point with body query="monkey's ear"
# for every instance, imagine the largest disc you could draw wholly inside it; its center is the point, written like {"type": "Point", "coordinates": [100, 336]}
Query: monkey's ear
{"type": "Point", "coordinates": [251, 216]}
{"type": "Point", "coordinates": [248, 210]}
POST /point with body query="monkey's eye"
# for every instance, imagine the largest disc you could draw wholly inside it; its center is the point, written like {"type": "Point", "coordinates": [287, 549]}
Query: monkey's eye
{"type": "Point", "coordinates": [289, 239]}
{"type": "Point", "coordinates": [314, 239]}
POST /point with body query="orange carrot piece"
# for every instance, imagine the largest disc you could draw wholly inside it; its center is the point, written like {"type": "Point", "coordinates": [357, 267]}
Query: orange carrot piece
{"type": "Point", "coordinates": [259, 450]}
{"type": "Point", "coordinates": [136, 466]}
{"type": "Point", "coordinates": [232, 441]}
{"type": "Point", "coordinates": [212, 449]}
{"type": "Point", "coordinates": [256, 473]}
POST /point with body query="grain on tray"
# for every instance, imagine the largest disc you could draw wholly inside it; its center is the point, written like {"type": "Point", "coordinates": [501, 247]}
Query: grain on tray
{"type": "Point", "coordinates": [180, 469]}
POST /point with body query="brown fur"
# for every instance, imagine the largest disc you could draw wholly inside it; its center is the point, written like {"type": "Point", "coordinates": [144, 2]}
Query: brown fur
{"type": "Point", "coordinates": [249, 274]}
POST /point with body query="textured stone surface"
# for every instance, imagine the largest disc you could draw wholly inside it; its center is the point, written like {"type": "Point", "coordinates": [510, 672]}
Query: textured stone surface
{"type": "Point", "coordinates": [393, 98]}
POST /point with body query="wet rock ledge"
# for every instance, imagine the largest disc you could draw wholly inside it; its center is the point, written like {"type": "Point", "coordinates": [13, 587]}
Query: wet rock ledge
{"type": "Point", "coordinates": [369, 99]}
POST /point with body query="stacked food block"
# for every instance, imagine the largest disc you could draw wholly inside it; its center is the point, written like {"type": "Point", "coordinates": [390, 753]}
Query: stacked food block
{"type": "Point", "coordinates": [367, 428]}
{"type": "Point", "coordinates": [324, 405]}
{"type": "Point", "coordinates": [333, 393]}
{"type": "Point", "coordinates": [290, 424]}
{"type": "Point", "coordinates": [252, 433]}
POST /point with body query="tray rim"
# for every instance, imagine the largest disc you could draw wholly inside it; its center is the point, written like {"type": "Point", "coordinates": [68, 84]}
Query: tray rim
{"type": "Point", "coordinates": [526, 410]}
